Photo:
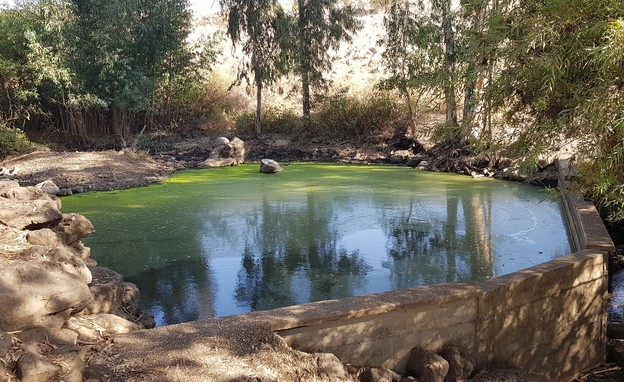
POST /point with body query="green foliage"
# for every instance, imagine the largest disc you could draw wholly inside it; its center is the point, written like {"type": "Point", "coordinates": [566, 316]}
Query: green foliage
{"type": "Point", "coordinates": [322, 25]}
{"type": "Point", "coordinates": [89, 67]}
{"type": "Point", "coordinates": [563, 76]}
{"type": "Point", "coordinates": [264, 30]}
{"type": "Point", "coordinates": [420, 52]}
{"type": "Point", "coordinates": [13, 141]}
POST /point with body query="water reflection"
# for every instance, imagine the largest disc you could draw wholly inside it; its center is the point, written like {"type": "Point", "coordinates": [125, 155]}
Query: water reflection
{"type": "Point", "coordinates": [237, 241]}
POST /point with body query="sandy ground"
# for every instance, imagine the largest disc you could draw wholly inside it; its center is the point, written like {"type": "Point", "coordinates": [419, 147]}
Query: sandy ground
{"type": "Point", "coordinates": [92, 171]}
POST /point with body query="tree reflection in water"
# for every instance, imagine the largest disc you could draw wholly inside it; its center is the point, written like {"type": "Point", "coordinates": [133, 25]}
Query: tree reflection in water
{"type": "Point", "coordinates": [295, 257]}
{"type": "Point", "coordinates": [425, 249]}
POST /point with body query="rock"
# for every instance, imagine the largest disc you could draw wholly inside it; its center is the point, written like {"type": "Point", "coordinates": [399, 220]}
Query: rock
{"type": "Point", "coordinates": [9, 171]}
{"type": "Point", "coordinates": [43, 237]}
{"type": "Point", "coordinates": [379, 374]}
{"type": "Point", "coordinates": [238, 149]}
{"type": "Point", "coordinates": [73, 365]}
{"type": "Point", "coordinates": [77, 189]}
{"type": "Point", "coordinates": [113, 295]}
{"type": "Point", "coordinates": [64, 192]}
{"type": "Point", "coordinates": [54, 336]}
{"type": "Point", "coordinates": [615, 330]}
{"type": "Point", "coordinates": [73, 228]}
{"type": "Point", "coordinates": [400, 156]}
{"type": "Point", "coordinates": [615, 351]}
{"type": "Point", "coordinates": [460, 369]}
{"type": "Point", "coordinates": [225, 153]}
{"type": "Point", "coordinates": [32, 367]}
{"type": "Point", "coordinates": [38, 293]}
{"type": "Point", "coordinates": [6, 343]}
{"type": "Point", "coordinates": [66, 258]}
{"type": "Point", "coordinates": [330, 368]}
{"type": "Point", "coordinates": [217, 162]}
{"type": "Point", "coordinates": [27, 207]}
{"type": "Point", "coordinates": [427, 366]}
{"type": "Point", "coordinates": [114, 324]}
{"type": "Point", "coordinates": [269, 166]}
{"type": "Point", "coordinates": [49, 187]}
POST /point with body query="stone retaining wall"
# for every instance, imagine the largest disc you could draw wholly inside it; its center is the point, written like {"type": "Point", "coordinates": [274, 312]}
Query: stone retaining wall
{"type": "Point", "coordinates": [548, 319]}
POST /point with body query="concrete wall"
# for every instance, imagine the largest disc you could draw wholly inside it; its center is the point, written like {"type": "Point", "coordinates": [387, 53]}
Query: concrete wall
{"type": "Point", "coordinates": [548, 319]}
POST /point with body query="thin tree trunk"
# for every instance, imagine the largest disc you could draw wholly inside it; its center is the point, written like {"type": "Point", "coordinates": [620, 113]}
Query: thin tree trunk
{"type": "Point", "coordinates": [475, 77]}
{"type": "Point", "coordinates": [410, 111]}
{"type": "Point", "coordinates": [449, 64]}
{"type": "Point", "coordinates": [258, 107]}
{"type": "Point", "coordinates": [304, 60]}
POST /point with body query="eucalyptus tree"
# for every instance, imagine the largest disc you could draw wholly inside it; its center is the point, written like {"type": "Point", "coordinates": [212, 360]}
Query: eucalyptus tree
{"type": "Point", "coordinates": [412, 54]}
{"type": "Point", "coordinates": [420, 50]}
{"type": "Point", "coordinates": [322, 25]}
{"type": "Point", "coordinates": [264, 30]}
{"type": "Point", "coordinates": [443, 10]}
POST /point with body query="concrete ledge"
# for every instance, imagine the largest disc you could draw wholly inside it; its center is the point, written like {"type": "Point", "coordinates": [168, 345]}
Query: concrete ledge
{"type": "Point", "coordinates": [518, 318]}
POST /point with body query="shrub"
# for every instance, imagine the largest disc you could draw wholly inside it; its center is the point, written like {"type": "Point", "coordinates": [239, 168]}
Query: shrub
{"type": "Point", "coordinates": [340, 115]}
{"type": "Point", "coordinates": [275, 120]}
{"type": "Point", "coordinates": [13, 141]}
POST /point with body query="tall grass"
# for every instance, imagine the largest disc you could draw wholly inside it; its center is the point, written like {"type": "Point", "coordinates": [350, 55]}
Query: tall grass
{"type": "Point", "coordinates": [337, 115]}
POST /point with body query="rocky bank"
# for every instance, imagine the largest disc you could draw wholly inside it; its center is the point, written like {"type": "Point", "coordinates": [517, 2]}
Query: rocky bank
{"type": "Point", "coordinates": [56, 305]}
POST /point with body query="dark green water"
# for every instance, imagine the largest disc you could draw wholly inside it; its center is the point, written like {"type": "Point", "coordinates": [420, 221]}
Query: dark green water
{"type": "Point", "coordinates": [225, 241]}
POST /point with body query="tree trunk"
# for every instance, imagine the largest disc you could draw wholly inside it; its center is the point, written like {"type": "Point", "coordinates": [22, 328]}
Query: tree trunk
{"type": "Point", "coordinates": [304, 60]}
{"type": "Point", "coordinates": [410, 111]}
{"type": "Point", "coordinates": [258, 107]}
{"type": "Point", "coordinates": [449, 64]}
{"type": "Point", "coordinates": [473, 78]}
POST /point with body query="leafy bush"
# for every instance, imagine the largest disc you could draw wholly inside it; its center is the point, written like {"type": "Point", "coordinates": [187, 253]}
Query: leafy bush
{"type": "Point", "coordinates": [13, 141]}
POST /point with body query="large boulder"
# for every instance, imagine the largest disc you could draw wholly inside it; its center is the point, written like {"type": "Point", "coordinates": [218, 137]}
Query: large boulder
{"type": "Point", "coordinates": [27, 207]}
{"type": "Point", "coordinates": [39, 293]}
{"type": "Point", "coordinates": [225, 153]}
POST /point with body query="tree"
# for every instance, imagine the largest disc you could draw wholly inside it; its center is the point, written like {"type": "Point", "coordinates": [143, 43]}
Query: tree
{"type": "Point", "coordinates": [412, 53]}
{"type": "Point", "coordinates": [263, 29]}
{"type": "Point", "coordinates": [443, 9]}
{"type": "Point", "coordinates": [563, 79]}
{"type": "Point", "coordinates": [420, 51]}
{"type": "Point", "coordinates": [322, 25]}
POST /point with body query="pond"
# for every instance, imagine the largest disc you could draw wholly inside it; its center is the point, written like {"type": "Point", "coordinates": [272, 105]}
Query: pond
{"type": "Point", "coordinates": [218, 242]}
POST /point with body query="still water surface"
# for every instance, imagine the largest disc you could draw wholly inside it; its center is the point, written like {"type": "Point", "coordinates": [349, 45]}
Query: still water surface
{"type": "Point", "coordinates": [225, 241]}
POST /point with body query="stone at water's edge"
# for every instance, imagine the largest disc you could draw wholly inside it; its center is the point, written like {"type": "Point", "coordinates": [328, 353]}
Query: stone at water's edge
{"type": "Point", "coordinates": [427, 366]}
{"type": "Point", "coordinates": [225, 153]}
{"type": "Point", "coordinates": [49, 187]}
{"type": "Point", "coordinates": [269, 166]}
